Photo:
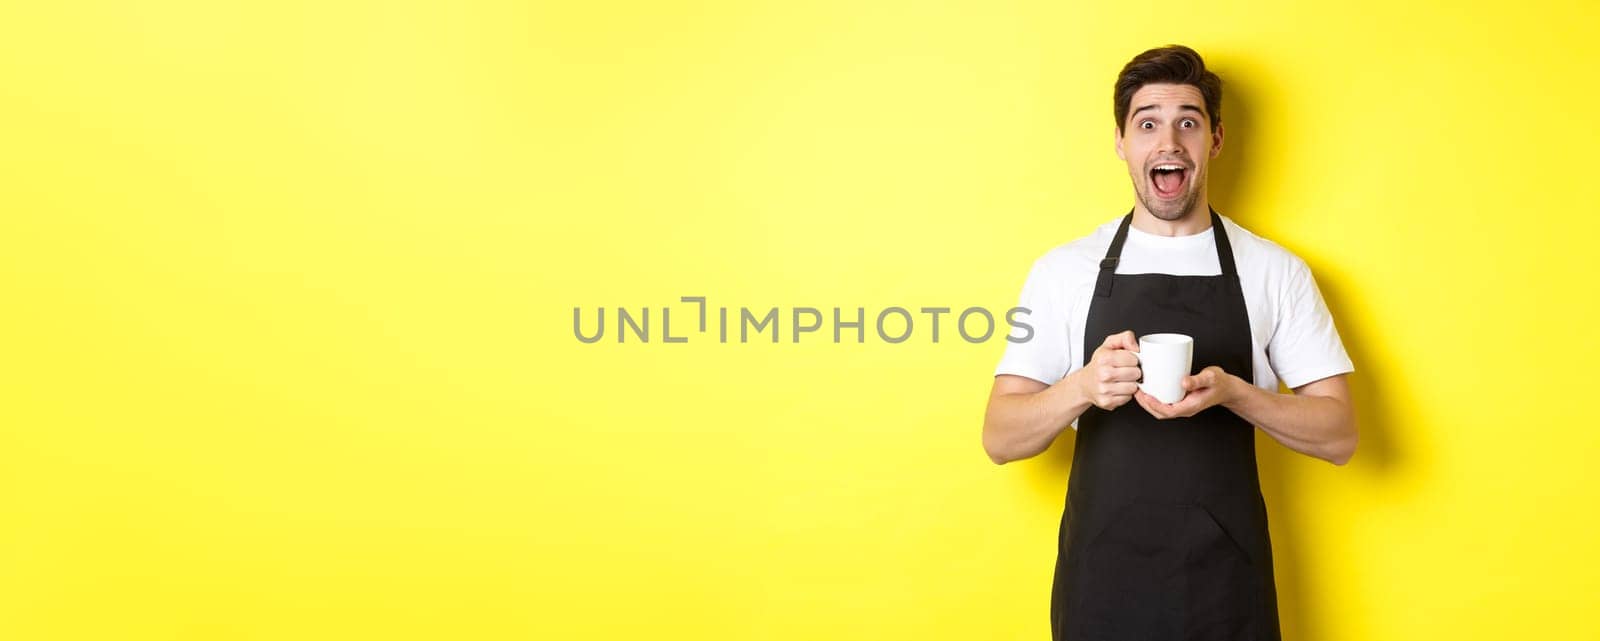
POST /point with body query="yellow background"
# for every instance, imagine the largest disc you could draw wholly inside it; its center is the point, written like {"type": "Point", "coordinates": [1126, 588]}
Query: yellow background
{"type": "Point", "coordinates": [288, 288]}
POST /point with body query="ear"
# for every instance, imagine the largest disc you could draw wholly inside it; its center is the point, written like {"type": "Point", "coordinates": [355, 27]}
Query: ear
{"type": "Point", "coordinates": [1216, 141]}
{"type": "Point", "coordinates": [1121, 155]}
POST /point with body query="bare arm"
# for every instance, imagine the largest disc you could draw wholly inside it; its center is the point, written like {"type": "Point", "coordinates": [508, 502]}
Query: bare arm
{"type": "Point", "coordinates": [1317, 420]}
{"type": "Point", "coordinates": [1025, 416]}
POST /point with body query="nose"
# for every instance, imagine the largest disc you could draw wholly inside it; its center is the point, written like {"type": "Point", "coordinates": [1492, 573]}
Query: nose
{"type": "Point", "coordinates": [1168, 142]}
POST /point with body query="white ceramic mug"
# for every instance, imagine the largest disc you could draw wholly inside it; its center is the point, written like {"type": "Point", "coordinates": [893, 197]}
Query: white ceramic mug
{"type": "Point", "coordinates": [1165, 360]}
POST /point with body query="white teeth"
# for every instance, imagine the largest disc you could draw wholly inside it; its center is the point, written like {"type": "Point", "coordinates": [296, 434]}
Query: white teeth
{"type": "Point", "coordinates": [1173, 167]}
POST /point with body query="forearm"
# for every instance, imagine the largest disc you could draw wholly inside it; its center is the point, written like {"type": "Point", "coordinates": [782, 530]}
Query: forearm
{"type": "Point", "coordinates": [1019, 426]}
{"type": "Point", "coordinates": [1318, 426]}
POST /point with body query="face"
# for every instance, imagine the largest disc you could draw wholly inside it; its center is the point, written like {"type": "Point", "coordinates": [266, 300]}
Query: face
{"type": "Point", "coordinates": [1167, 143]}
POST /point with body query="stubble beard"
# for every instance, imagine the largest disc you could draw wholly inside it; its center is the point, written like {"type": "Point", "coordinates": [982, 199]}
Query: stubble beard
{"type": "Point", "coordinates": [1168, 210]}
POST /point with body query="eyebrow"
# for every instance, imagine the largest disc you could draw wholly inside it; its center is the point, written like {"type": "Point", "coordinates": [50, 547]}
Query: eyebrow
{"type": "Point", "coordinates": [1180, 108]}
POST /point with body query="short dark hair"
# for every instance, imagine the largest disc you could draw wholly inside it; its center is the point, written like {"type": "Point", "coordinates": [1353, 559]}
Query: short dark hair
{"type": "Point", "coordinates": [1174, 64]}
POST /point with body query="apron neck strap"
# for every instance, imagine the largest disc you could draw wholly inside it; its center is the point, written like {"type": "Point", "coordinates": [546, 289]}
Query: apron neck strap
{"type": "Point", "coordinates": [1108, 265]}
{"type": "Point", "coordinates": [1224, 248]}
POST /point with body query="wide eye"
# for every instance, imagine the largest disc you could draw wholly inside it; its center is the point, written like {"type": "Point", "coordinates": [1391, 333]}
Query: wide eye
{"type": "Point", "coordinates": [1189, 123]}
{"type": "Point", "coordinates": [1147, 125]}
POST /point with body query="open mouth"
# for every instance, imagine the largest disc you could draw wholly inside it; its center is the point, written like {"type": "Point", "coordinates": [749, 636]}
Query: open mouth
{"type": "Point", "coordinates": [1169, 180]}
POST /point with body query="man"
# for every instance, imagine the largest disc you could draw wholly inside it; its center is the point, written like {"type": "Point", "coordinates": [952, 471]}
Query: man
{"type": "Point", "coordinates": [1164, 533]}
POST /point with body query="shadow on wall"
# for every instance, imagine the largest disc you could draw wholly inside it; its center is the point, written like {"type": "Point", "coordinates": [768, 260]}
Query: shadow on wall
{"type": "Point", "coordinates": [1376, 455]}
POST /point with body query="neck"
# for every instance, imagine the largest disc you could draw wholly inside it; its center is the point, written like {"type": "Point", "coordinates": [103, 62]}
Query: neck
{"type": "Point", "coordinates": [1194, 221]}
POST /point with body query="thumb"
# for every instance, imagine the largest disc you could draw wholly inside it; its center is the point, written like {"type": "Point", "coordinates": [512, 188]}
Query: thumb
{"type": "Point", "coordinates": [1122, 340]}
{"type": "Point", "coordinates": [1206, 378]}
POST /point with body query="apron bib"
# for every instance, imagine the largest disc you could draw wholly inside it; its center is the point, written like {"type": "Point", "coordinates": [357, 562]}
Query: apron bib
{"type": "Point", "coordinates": [1164, 533]}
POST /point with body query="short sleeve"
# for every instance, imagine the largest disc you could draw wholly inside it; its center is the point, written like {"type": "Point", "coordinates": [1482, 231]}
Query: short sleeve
{"type": "Point", "coordinates": [1037, 346]}
{"type": "Point", "coordinates": [1305, 345]}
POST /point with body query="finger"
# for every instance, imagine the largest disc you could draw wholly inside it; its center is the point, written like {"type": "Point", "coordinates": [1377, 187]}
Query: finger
{"type": "Point", "coordinates": [1122, 340]}
{"type": "Point", "coordinates": [1190, 405]}
{"type": "Point", "coordinates": [1121, 374]}
{"type": "Point", "coordinates": [1150, 404]}
{"type": "Point", "coordinates": [1121, 389]}
{"type": "Point", "coordinates": [1120, 358]}
{"type": "Point", "coordinates": [1206, 378]}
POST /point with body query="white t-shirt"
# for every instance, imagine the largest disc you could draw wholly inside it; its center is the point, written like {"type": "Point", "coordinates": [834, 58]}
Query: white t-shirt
{"type": "Point", "coordinates": [1293, 338]}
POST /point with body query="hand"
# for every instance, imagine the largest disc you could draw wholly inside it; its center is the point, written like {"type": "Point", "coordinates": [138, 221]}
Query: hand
{"type": "Point", "coordinates": [1110, 378]}
{"type": "Point", "coordinates": [1209, 388]}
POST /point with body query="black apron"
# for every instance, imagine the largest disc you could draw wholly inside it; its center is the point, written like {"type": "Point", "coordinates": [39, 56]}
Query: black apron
{"type": "Point", "coordinates": [1164, 535]}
